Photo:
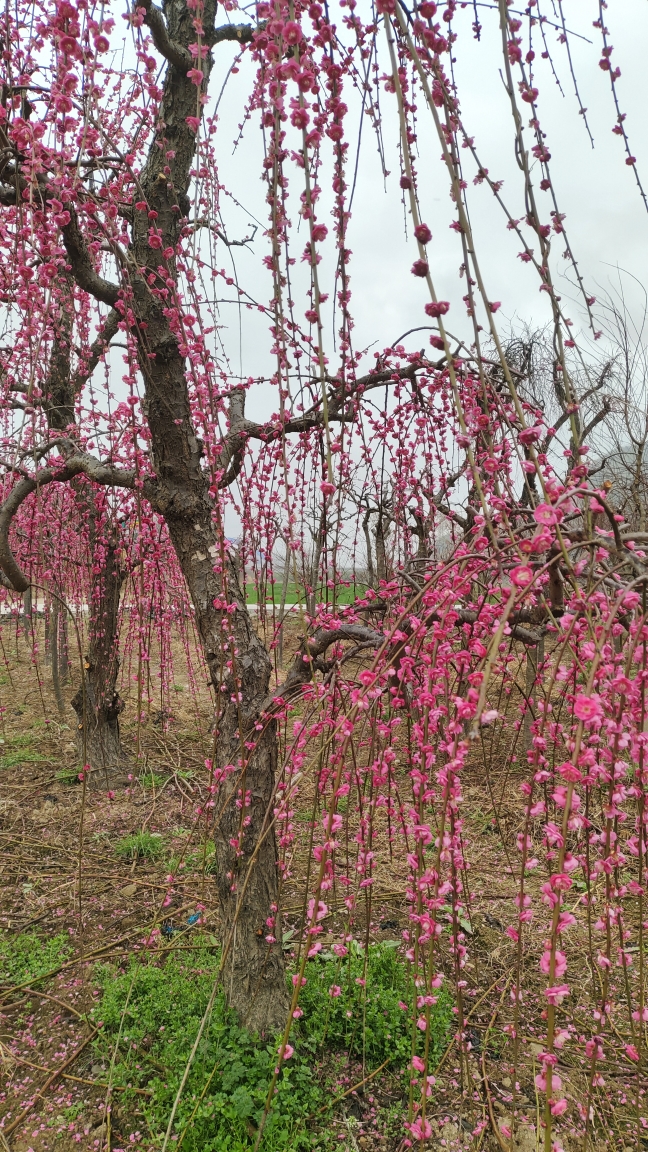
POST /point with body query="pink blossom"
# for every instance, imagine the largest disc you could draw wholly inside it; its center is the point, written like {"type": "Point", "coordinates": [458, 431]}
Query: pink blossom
{"type": "Point", "coordinates": [560, 963]}
{"type": "Point", "coordinates": [557, 993]}
{"type": "Point", "coordinates": [588, 708]}
{"type": "Point", "coordinates": [570, 772]}
{"type": "Point", "coordinates": [292, 32]}
{"type": "Point", "coordinates": [437, 308]}
{"type": "Point", "coordinates": [322, 910]}
{"type": "Point", "coordinates": [521, 576]}
{"type": "Point", "coordinates": [421, 1129]}
{"type": "Point", "coordinates": [547, 515]}
{"type": "Point", "coordinates": [489, 716]}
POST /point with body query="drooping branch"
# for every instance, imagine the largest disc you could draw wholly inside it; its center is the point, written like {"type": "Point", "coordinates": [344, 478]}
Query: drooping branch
{"type": "Point", "coordinates": [96, 350]}
{"type": "Point", "coordinates": [81, 464]}
{"type": "Point", "coordinates": [300, 672]}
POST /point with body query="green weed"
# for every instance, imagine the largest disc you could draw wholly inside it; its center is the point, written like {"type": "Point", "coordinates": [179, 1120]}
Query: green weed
{"type": "Point", "coordinates": [28, 956]}
{"type": "Point", "coordinates": [68, 775]}
{"type": "Point", "coordinates": [152, 780]}
{"type": "Point", "coordinates": [13, 758]}
{"type": "Point", "coordinates": [140, 846]}
{"type": "Point", "coordinates": [158, 1008]}
{"type": "Point", "coordinates": [18, 750]}
{"type": "Point", "coordinates": [366, 1020]}
{"type": "Point", "coordinates": [193, 861]}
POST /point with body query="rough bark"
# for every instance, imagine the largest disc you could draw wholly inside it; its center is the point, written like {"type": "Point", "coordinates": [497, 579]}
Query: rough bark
{"type": "Point", "coordinates": [97, 703]}
{"type": "Point", "coordinates": [246, 851]}
{"type": "Point", "coordinates": [370, 568]}
{"type": "Point", "coordinates": [54, 655]}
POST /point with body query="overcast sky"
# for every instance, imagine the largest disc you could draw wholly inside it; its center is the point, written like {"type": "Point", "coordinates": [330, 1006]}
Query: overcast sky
{"type": "Point", "coordinates": [606, 220]}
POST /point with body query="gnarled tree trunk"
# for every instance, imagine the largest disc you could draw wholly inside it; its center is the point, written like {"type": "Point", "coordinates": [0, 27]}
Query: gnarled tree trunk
{"type": "Point", "coordinates": [97, 703]}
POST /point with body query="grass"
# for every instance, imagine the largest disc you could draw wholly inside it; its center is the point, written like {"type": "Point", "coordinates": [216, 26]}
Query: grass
{"type": "Point", "coordinates": [151, 1014]}
{"type": "Point", "coordinates": [295, 594]}
{"type": "Point", "coordinates": [367, 1021]}
{"type": "Point", "coordinates": [68, 776]}
{"type": "Point", "coordinates": [140, 846]}
{"type": "Point", "coordinates": [152, 780]}
{"type": "Point", "coordinates": [18, 750]}
{"type": "Point", "coordinates": [193, 861]}
{"type": "Point", "coordinates": [11, 759]}
{"type": "Point", "coordinates": [28, 956]}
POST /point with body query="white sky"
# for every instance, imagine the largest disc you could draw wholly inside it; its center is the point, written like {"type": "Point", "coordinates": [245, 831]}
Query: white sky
{"type": "Point", "coordinates": [606, 221]}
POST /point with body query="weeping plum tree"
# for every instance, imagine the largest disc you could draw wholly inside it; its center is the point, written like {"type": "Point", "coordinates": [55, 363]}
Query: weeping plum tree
{"type": "Point", "coordinates": [112, 179]}
{"type": "Point", "coordinates": [97, 703]}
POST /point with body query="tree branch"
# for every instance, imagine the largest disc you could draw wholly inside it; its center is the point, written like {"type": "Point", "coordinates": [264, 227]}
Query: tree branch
{"type": "Point", "coordinates": [242, 430]}
{"type": "Point", "coordinates": [96, 350]}
{"type": "Point", "coordinates": [82, 267]}
{"type": "Point", "coordinates": [175, 53]}
{"type": "Point", "coordinates": [241, 33]}
{"type": "Point", "coordinates": [81, 464]}
{"type": "Point", "coordinates": [301, 671]}
{"type": "Point", "coordinates": [604, 411]}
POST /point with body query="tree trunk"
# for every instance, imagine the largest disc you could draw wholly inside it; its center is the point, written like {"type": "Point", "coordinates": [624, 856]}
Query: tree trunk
{"type": "Point", "coordinates": [370, 568]}
{"type": "Point", "coordinates": [27, 614]}
{"type": "Point", "coordinates": [54, 653]}
{"type": "Point", "coordinates": [64, 649]}
{"type": "Point", "coordinates": [97, 703]}
{"type": "Point", "coordinates": [246, 851]}
{"type": "Point", "coordinates": [534, 658]}
{"type": "Point", "coordinates": [381, 534]}
{"type": "Point", "coordinates": [238, 663]}
{"type": "Point", "coordinates": [318, 544]}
